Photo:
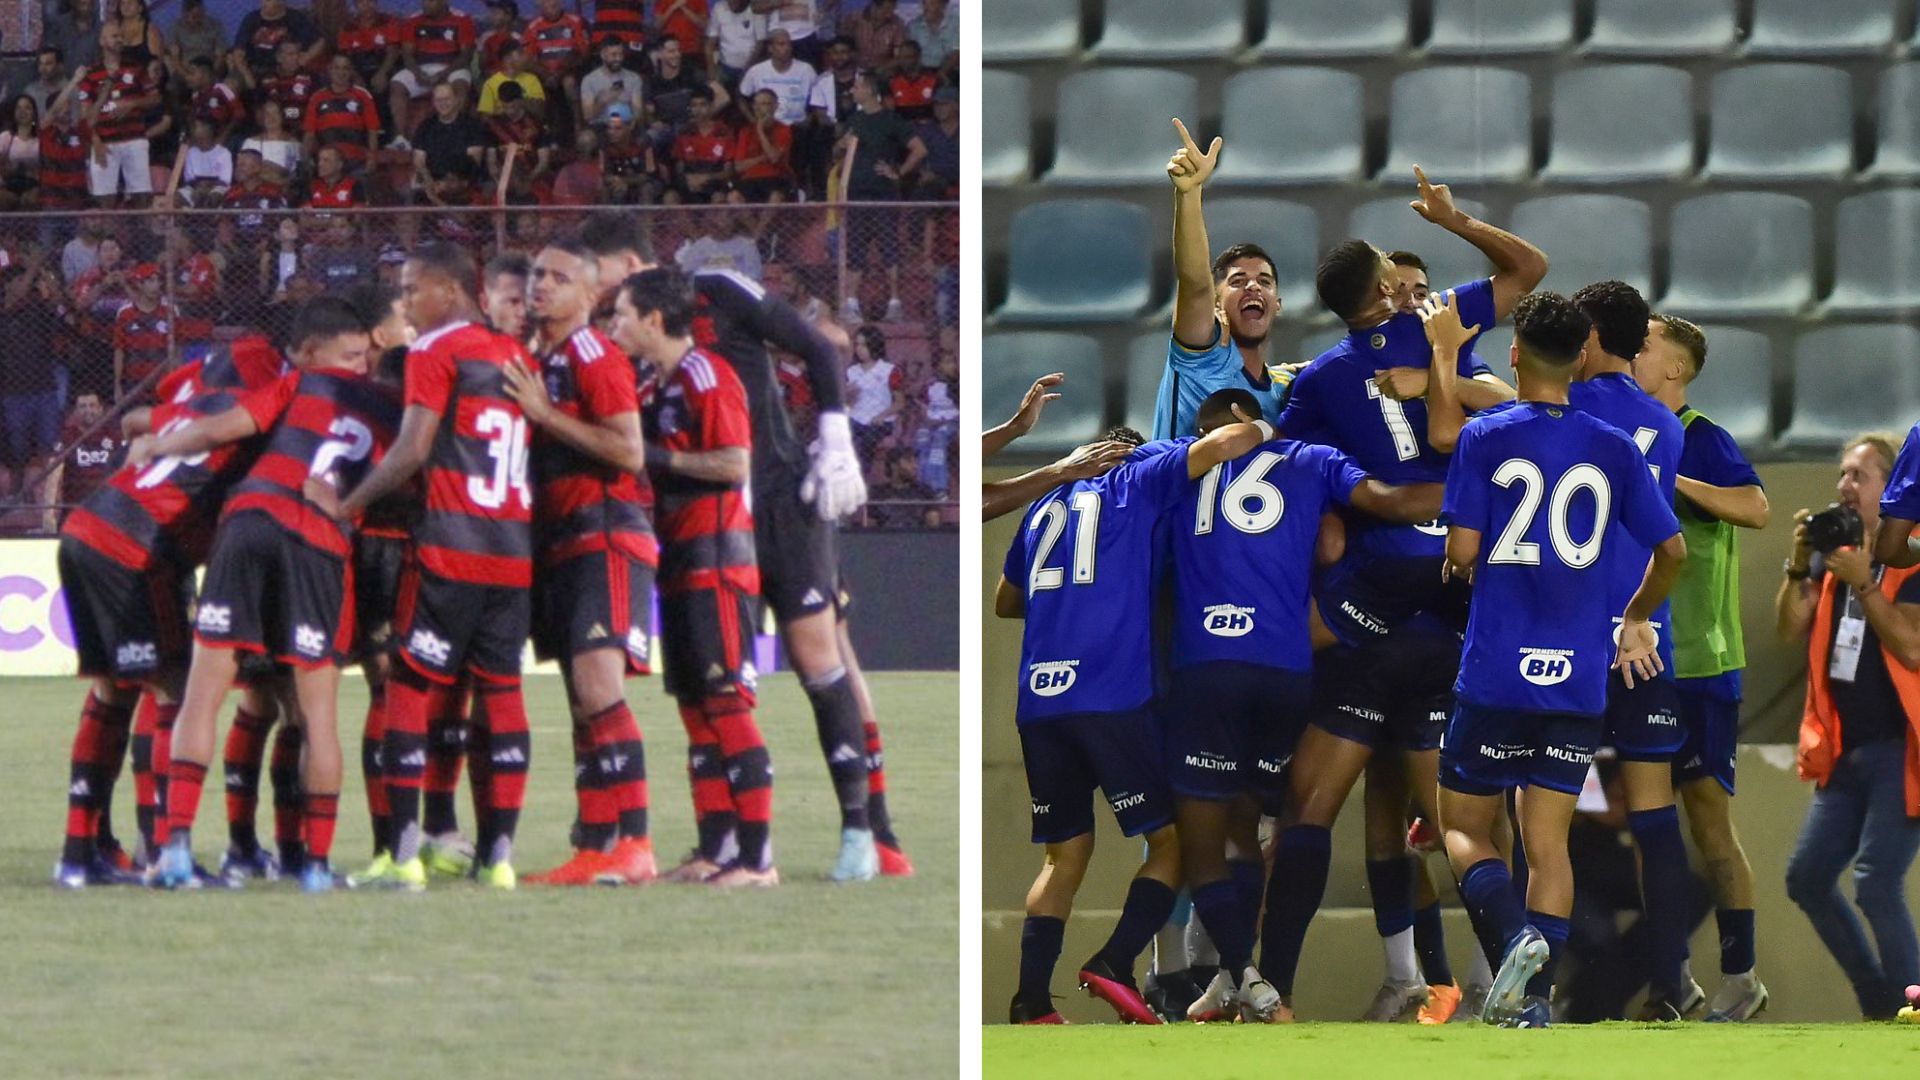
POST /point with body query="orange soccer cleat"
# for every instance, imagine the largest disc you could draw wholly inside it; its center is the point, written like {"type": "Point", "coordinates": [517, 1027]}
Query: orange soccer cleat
{"type": "Point", "coordinates": [630, 863]}
{"type": "Point", "coordinates": [1442, 1003]}
{"type": "Point", "coordinates": [893, 861]}
{"type": "Point", "coordinates": [584, 868]}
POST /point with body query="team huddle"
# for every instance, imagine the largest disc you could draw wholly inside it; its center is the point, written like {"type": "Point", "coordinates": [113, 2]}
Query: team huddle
{"type": "Point", "coordinates": [1387, 561]}
{"type": "Point", "coordinates": [419, 487]}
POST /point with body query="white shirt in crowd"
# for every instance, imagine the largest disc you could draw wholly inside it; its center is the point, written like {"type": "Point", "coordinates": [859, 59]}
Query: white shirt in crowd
{"type": "Point", "coordinates": [215, 163]}
{"type": "Point", "coordinates": [790, 86]}
{"type": "Point", "coordinates": [738, 33]}
{"type": "Point", "coordinates": [870, 390]}
{"type": "Point", "coordinates": [799, 18]}
{"type": "Point", "coordinates": [941, 408]}
{"type": "Point", "coordinates": [283, 154]}
{"type": "Point", "coordinates": [710, 253]}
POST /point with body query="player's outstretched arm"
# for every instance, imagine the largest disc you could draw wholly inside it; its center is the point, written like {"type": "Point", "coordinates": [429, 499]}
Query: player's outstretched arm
{"type": "Point", "coordinates": [1409, 504]}
{"type": "Point", "coordinates": [228, 426]}
{"type": "Point", "coordinates": [614, 440]}
{"type": "Point", "coordinates": [1009, 602]}
{"type": "Point", "coordinates": [1638, 653]}
{"type": "Point", "coordinates": [1745, 506]}
{"type": "Point", "coordinates": [1518, 267]}
{"type": "Point", "coordinates": [406, 457]}
{"type": "Point", "coordinates": [1000, 497]}
{"type": "Point", "coordinates": [1893, 544]}
{"type": "Point", "coordinates": [1226, 443]}
{"type": "Point", "coordinates": [1027, 415]}
{"type": "Point", "coordinates": [1193, 303]}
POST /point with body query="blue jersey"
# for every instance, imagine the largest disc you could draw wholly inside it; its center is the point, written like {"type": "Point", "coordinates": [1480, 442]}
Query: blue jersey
{"type": "Point", "coordinates": [1334, 401]}
{"type": "Point", "coordinates": [1084, 557]}
{"type": "Point", "coordinates": [1657, 431]}
{"type": "Point", "coordinates": [1242, 549]}
{"type": "Point", "coordinates": [1547, 487]}
{"type": "Point", "coordinates": [1192, 377]}
{"type": "Point", "coordinates": [1902, 497]}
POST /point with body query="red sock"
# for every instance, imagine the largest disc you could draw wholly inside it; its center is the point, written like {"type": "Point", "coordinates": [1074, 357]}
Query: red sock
{"type": "Point", "coordinates": [163, 719]}
{"type": "Point", "coordinates": [502, 714]}
{"type": "Point", "coordinates": [876, 761]}
{"type": "Point", "coordinates": [317, 821]}
{"type": "Point", "coordinates": [403, 754]}
{"type": "Point", "coordinates": [146, 787]}
{"type": "Point", "coordinates": [184, 780]}
{"type": "Point", "coordinates": [623, 758]}
{"type": "Point", "coordinates": [102, 733]}
{"type": "Point", "coordinates": [245, 752]}
{"type": "Point", "coordinates": [749, 774]}
{"type": "Point", "coordinates": [706, 770]}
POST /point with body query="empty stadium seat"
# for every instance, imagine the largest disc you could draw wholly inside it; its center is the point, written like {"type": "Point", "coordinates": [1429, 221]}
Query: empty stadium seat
{"type": "Point", "coordinates": [1110, 128]}
{"type": "Point", "coordinates": [1826, 28]}
{"type": "Point", "coordinates": [1335, 28]}
{"type": "Point", "coordinates": [1897, 153]}
{"type": "Point", "coordinates": [1460, 123]}
{"type": "Point", "coordinates": [1740, 254]}
{"type": "Point", "coordinates": [1146, 363]}
{"type": "Point", "coordinates": [1006, 153]}
{"type": "Point", "coordinates": [1876, 252]}
{"type": "Point", "coordinates": [1781, 121]}
{"type": "Point", "coordinates": [1010, 362]}
{"type": "Point", "coordinates": [1029, 29]}
{"type": "Point", "coordinates": [1292, 125]}
{"type": "Point", "coordinates": [1849, 379]}
{"type": "Point", "coordinates": [1617, 123]}
{"type": "Point", "coordinates": [1078, 259]}
{"type": "Point", "coordinates": [1735, 388]}
{"type": "Point", "coordinates": [1589, 238]}
{"type": "Point", "coordinates": [1289, 232]}
{"type": "Point", "coordinates": [1662, 27]}
{"type": "Point", "coordinates": [1491, 27]}
{"type": "Point", "coordinates": [1156, 30]}
{"type": "Point", "coordinates": [1389, 225]}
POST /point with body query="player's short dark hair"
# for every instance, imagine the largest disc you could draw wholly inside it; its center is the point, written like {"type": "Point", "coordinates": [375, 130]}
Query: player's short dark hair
{"type": "Point", "coordinates": [1408, 258]}
{"type": "Point", "coordinates": [392, 366]}
{"type": "Point", "coordinates": [616, 232]}
{"type": "Point", "coordinates": [1691, 339]}
{"type": "Point", "coordinates": [323, 318]}
{"type": "Point", "coordinates": [58, 56]}
{"type": "Point", "coordinates": [1550, 328]}
{"type": "Point", "coordinates": [374, 301]}
{"type": "Point", "coordinates": [449, 261]}
{"type": "Point", "coordinates": [667, 290]}
{"type": "Point", "coordinates": [1619, 313]}
{"type": "Point", "coordinates": [509, 264]}
{"type": "Point", "coordinates": [569, 245]}
{"type": "Point", "coordinates": [1124, 434]}
{"type": "Point", "coordinates": [1347, 277]}
{"type": "Point", "coordinates": [1217, 410]}
{"type": "Point", "coordinates": [1225, 260]}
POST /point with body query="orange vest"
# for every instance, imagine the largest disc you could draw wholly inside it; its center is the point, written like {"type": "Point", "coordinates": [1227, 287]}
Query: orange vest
{"type": "Point", "coordinates": [1820, 726]}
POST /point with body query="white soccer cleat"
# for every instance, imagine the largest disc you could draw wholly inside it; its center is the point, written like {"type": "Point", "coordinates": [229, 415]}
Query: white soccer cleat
{"type": "Point", "coordinates": [1396, 1003]}
{"type": "Point", "coordinates": [1738, 999]}
{"type": "Point", "coordinates": [1219, 1003]}
{"type": "Point", "coordinates": [1260, 1003]}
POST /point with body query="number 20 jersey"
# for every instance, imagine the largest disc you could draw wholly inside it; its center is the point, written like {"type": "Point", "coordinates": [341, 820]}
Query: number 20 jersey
{"type": "Point", "coordinates": [1084, 557]}
{"type": "Point", "coordinates": [478, 522]}
{"type": "Point", "coordinates": [1544, 486]}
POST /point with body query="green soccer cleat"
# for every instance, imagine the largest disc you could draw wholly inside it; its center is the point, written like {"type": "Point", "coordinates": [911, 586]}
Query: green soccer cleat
{"type": "Point", "coordinates": [447, 855]}
{"type": "Point", "coordinates": [498, 875]}
{"type": "Point", "coordinates": [409, 876]}
{"type": "Point", "coordinates": [379, 868]}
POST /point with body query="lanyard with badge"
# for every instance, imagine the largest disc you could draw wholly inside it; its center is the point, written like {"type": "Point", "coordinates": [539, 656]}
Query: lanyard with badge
{"type": "Point", "coordinates": [1851, 636]}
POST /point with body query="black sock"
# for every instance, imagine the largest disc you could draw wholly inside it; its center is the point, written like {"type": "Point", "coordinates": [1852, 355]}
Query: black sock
{"type": "Point", "coordinates": [836, 717]}
{"type": "Point", "coordinates": [1149, 905]}
{"type": "Point", "coordinates": [882, 820]}
{"type": "Point", "coordinates": [1430, 944]}
{"type": "Point", "coordinates": [1040, 938]}
{"type": "Point", "coordinates": [438, 814]}
{"type": "Point", "coordinates": [1220, 906]}
{"type": "Point", "coordinates": [1301, 860]}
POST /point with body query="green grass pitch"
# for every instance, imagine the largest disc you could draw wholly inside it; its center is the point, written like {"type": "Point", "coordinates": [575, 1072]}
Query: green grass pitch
{"type": "Point", "coordinates": [809, 979]}
{"type": "Point", "coordinates": [1470, 1051]}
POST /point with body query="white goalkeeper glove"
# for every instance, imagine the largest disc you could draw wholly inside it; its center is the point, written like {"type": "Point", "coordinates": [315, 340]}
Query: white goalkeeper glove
{"type": "Point", "coordinates": [834, 483]}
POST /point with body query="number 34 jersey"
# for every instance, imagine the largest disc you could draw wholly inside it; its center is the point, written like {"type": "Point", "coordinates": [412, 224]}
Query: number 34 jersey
{"type": "Point", "coordinates": [478, 522]}
{"type": "Point", "coordinates": [1084, 557]}
{"type": "Point", "coordinates": [1546, 486]}
{"type": "Point", "coordinates": [323, 423]}
{"type": "Point", "coordinates": [1243, 542]}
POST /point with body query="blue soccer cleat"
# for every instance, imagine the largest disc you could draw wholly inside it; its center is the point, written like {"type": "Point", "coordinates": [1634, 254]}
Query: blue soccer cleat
{"type": "Point", "coordinates": [317, 876]}
{"type": "Point", "coordinates": [1525, 957]}
{"type": "Point", "coordinates": [859, 859]}
{"type": "Point", "coordinates": [1535, 1013]}
{"type": "Point", "coordinates": [70, 875]}
{"type": "Point", "coordinates": [237, 867]}
{"type": "Point", "coordinates": [174, 869]}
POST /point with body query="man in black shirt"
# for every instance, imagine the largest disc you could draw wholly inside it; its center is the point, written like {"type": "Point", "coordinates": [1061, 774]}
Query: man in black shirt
{"type": "Point", "coordinates": [443, 140]}
{"type": "Point", "coordinates": [877, 150]}
{"type": "Point", "coordinates": [262, 31]}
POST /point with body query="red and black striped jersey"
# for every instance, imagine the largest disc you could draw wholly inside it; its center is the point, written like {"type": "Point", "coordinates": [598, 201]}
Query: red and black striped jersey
{"type": "Point", "coordinates": [249, 363]}
{"type": "Point", "coordinates": [439, 39]}
{"type": "Point", "coordinates": [167, 508]}
{"type": "Point", "coordinates": [706, 528]}
{"type": "Point", "coordinates": [319, 422]}
{"type": "Point", "coordinates": [142, 336]}
{"type": "Point", "coordinates": [621, 20]}
{"type": "Point", "coordinates": [587, 505]}
{"type": "Point", "coordinates": [63, 167]}
{"type": "Point", "coordinates": [367, 46]}
{"type": "Point", "coordinates": [291, 93]}
{"type": "Point", "coordinates": [342, 194]}
{"type": "Point", "coordinates": [116, 122]}
{"type": "Point", "coordinates": [478, 525]}
{"type": "Point", "coordinates": [559, 44]}
{"type": "Point", "coordinates": [343, 119]}
{"type": "Point", "coordinates": [218, 105]}
{"type": "Point", "coordinates": [87, 465]}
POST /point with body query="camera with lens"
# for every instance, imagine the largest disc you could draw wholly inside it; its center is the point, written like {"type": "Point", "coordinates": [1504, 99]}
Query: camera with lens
{"type": "Point", "coordinates": [1835, 527]}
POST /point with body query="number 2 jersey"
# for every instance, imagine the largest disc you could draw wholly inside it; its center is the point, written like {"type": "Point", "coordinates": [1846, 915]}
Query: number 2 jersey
{"type": "Point", "coordinates": [1545, 487]}
{"type": "Point", "coordinates": [1084, 557]}
{"type": "Point", "coordinates": [1243, 543]}
{"type": "Point", "coordinates": [706, 524]}
{"type": "Point", "coordinates": [478, 525]}
{"type": "Point", "coordinates": [586, 505]}
{"type": "Point", "coordinates": [319, 423]}
{"type": "Point", "coordinates": [1615, 398]}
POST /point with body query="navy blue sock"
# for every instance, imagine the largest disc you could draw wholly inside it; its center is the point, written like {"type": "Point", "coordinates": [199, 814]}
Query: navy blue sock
{"type": "Point", "coordinates": [1554, 929]}
{"type": "Point", "coordinates": [1488, 889]}
{"type": "Point", "coordinates": [1149, 904]}
{"type": "Point", "coordinates": [1736, 940]}
{"type": "Point", "coordinates": [1294, 891]}
{"type": "Point", "coordinates": [1221, 907]}
{"type": "Point", "coordinates": [1663, 887]}
{"type": "Point", "coordinates": [1391, 883]}
{"type": "Point", "coordinates": [1250, 877]}
{"type": "Point", "coordinates": [1040, 938]}
{"type": "Point", "coordinates": [1430, 944]}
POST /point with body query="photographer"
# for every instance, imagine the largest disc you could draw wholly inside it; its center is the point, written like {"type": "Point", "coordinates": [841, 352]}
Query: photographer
{"type": "Point", "coordinates": [1861, 622]}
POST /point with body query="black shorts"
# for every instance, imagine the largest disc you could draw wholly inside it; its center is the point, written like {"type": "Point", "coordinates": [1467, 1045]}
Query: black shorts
{"type": "Point", "coordinates": [128, 625]}
{"type": "Point", "coordinates": [1363, 598]}
{"type": "Point", "coordinates": [1231, 728]}
{"type": "Point", "coordinates": [1643, 724]}
{"type": "Point", "coordinates": [1712, 723]}
{"type": "Point", "coordinates": [443, 627]}
{"type": "Point", "coordinates": [716, 188]}
{"type": "Point", "coordinates": [799, 563]}
{"type": "Point", "coordinates": [1488, 751]}
{"type": "Point", "coordinates": [1398, 691]}
{"type": "Point", "coordinates": [707, 638]}
{"type": "Point", "coordinates": [1119, 753]}
{"type": "Point", "coordinates": [599, 600]}
{"type": "Point", "coordinates": [268, 592]}
{"type": "Point", "coordinates": [377, 563]}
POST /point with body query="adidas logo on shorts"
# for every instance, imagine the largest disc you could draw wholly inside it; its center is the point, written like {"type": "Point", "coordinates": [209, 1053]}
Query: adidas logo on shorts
{"type": "Point", "coordinates": [597, 630]}
{"type": "Point", "coordinates": [637, 644]}
{"type": "Point", "coordinates": [813, 597]}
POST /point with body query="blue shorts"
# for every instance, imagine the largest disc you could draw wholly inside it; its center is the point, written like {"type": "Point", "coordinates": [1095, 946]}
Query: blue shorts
{"type": "Point", "coordinates": [1712, 727]}
{"type": "Point", "coordinates": [1362, 598]}
{"type": "Point", "coordinates": [1232, 726]}
{"type": "Point", "coordinates": [1119, 753]}
{"type": "Point", "coordinates": [1488, 751]}
{"type": "Point", "coordinates": [1396, 692]}
{"type": "Point", "coordinates": [1643, 724]}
